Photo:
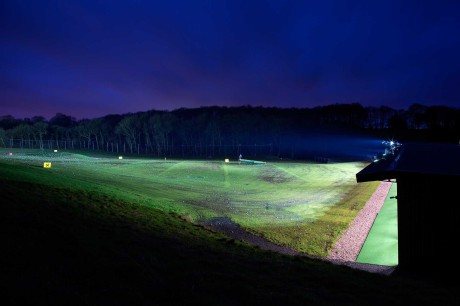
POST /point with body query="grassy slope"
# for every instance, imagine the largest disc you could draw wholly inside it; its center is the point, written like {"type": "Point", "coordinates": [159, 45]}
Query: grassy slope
{"type": "Point", "coordinates": [64, 245]}
{"type": "Point", "coordinates": [303, 206]}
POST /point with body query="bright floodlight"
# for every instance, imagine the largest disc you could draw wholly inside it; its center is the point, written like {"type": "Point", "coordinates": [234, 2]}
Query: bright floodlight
{"type": "Point", "coordinates": [391, 148]}
{"type": "Point", "coordinates": [120, 157]}
{"type": "Point", "coordinates": [227, 160]}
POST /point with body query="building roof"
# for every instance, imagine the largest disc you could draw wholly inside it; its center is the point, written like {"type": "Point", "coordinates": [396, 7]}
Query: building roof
{"type": "Point", "coordinates": [421, 158]}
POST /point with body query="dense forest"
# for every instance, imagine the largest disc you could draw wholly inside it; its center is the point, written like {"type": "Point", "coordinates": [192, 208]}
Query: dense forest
{"type": "Point", "coordinates": [211, 132]}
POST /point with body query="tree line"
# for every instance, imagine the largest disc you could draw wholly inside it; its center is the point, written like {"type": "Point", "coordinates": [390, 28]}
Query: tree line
{"type": "Point", "coordinates": [209, 132]}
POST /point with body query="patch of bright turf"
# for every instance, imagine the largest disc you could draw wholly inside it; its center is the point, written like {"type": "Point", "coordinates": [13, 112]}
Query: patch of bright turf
{"type": "Point", "coordinates": [381, 245]}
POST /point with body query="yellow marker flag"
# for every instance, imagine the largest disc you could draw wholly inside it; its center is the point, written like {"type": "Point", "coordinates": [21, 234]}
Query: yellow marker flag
{"type": "Point", "coordinates": [46, 165]}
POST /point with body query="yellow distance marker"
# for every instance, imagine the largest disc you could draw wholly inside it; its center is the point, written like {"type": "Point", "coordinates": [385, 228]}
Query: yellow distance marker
{"type": "Point", "coordinates": [227, 160]}
{"type": "Point", "coordinates": [46, 165]}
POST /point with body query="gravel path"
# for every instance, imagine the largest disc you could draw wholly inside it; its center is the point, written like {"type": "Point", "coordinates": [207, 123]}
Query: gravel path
{"type": "Point", "coordinates": [349, 245]}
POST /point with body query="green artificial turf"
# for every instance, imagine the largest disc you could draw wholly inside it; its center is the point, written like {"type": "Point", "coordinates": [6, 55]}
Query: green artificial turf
{"type": "Point", "coordinates": [381, 245]}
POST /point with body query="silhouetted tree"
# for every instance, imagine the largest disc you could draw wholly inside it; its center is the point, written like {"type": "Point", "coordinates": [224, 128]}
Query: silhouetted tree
{"type": "Point", "coordinates": [62, 120]}
{"type": "Point", "coordinates": [416, 116]}
{"type": "Point", "coordinates": [397, 122]}
{"type": "Point", "coordinates": [218, 131]}
{"type": "Point", "coordinates": [130, 128]}
{"type": "Point", "coordinates": [8, 122]}
{"type": "Point", "coordinates": [40, 129]}
{"type": "Point", "coordinates": [2, 137]}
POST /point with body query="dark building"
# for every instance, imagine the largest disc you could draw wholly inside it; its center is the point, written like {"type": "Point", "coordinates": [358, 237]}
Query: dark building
{"type": "Point", "coordinates": [428, 178]}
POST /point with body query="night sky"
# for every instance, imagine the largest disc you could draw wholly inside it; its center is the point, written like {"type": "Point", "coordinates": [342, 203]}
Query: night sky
{"type": "Point", "coordinates": [92, 58]}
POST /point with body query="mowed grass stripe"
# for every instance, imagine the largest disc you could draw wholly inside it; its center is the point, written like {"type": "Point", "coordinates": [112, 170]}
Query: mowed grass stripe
{"type": "Point", "coordinates": [381, 245]}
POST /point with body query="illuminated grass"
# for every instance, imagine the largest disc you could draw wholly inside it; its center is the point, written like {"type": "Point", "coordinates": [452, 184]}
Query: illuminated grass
{"type": "Point", "coordinates": [300, 205]}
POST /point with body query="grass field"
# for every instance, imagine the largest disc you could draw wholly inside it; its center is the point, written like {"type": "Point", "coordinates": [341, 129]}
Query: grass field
{"type": "Point", "coordinates": [305, 206]}
{"type": "Point", "coordinates": [75, 234]}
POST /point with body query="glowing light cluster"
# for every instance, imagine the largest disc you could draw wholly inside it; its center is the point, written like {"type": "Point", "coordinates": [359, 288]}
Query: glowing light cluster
{"type": "Point", "coordinates": [391, 148]}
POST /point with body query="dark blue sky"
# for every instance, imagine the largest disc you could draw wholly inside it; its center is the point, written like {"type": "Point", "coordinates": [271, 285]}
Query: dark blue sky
{"type": "Point", "coordinates": [91, 58]}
